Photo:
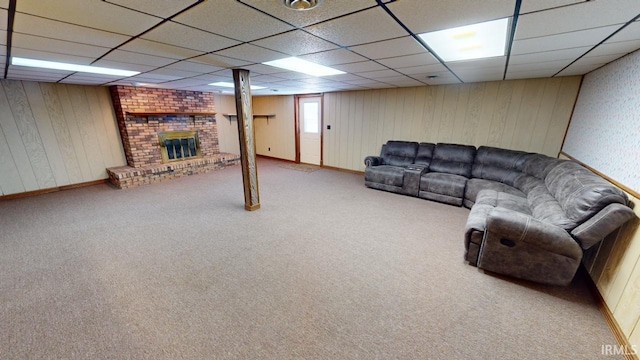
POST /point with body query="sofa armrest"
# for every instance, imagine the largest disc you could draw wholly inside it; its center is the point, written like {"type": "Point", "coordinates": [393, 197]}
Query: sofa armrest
{"type": "Point", "coordinates": [372, 161]}
{"type": "Point", "coordinates": [512, 229]}
{"type": "Point", "coordinates": [419, 168]}
{"type": "Point", "coordinates": [602, 224]}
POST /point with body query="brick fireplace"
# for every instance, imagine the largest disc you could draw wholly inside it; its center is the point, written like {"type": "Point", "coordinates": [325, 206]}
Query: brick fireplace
{"type": "Point", "coordinates": [152, 121]}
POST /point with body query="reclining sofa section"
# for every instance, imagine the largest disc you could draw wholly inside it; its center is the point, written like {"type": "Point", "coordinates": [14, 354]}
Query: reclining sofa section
{"type": "Point", "coordinates": [531, 215]}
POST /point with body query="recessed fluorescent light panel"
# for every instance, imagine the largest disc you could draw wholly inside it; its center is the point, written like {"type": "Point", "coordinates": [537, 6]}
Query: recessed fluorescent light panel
{"type": "Point", "coordinates": [18, 61]}
{"type": "Point", "coordinates": [478, 41]}
{"type": "Point", "coordinates": [303, 66]}
{"type": "Point", "coordinates": [230, 85]}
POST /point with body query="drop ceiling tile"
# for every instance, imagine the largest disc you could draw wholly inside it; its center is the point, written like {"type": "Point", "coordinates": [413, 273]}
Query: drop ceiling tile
{"type": "Point", "coordinates": [193, 66]}
{"type": "Point", "coordinates": [137, 58]}
{"type": "Point", "coordinates": [564, 54]}
{"type": "Point", "coordinates": [344, 77]}
{"type": "Point", "coordinates": [3, 37]}
{"type": "Point", "coordinates": [407, 83]}
{"type": "Point", "coordinates": [292, 75]}
{"type": "Point", "coordinates": [38, 78]}
{"type": "Point", "coordinates": [537, 5]}
{"type": "Point", "coordinates": [372, 25]}
{"type": "Point", "coordinates": [33, 25]}
{"type": "Point", "coordinates": [409, 60]}
{"type": "Point", "coordinates": [81, 81]}
{"type": "Point", "coordinates": [590, 59]}
{"type": "Point", "coordinates": [184, 36]}
{"type": "Point", "coordinates": [4, 4]}
{"type": "Point", "coordinates": [251, 53]}
{"type": "Point", "coordinates": [158, 8]}
{"type": "Point", "coordinates": [334, 57]}
{"type": "Point", "coordinates": [443, 81]}
{"type": "Point", "coordinates": [530, 74]}
{"type": "Point", "coordinates": [85, 78]}
{"type": "Point", "coordinates": [556, 65]}
{"type": "Point", "coordinates": [50, 56]}
{"type": "Point", "coordinates": [266, 78]}
{"type": "Point", "coordinates": [3, 51]}
{"type": "Point", "coordinates": [423, 70]}
{"type": "Point", "coordinates": [496, 62]}
{"type": "Point", "coordinates": [363, 82]}
{"type": "Point", "coordinates": [469, 75]}
{"type": "Point", "coordinates": [621, 48]}
{"type": "Point", "coordinates": [159, 49]}
{"type": "Point", "coordinates": [23, 70]}
{"type": "Point", "coordinates": [262, 69]}
{"type": "Point", "coordinates": [579, 69]}
{"type": "Point", "coordinates": [209, 78]}
{"type": "Point", "coordinates": [186, 82]}
{"type": "Point", "coordinates": [586, 15]}
{"type": "Point", "coordinates": [562, 41]}
{"type": "Point", "coordinates": [95, 14]}
{"type": "Point", "coordinates": [379, 74]}
{"type": "Point", "coordinates": [295, 43]}
{"type": "Point", "coordinates": [451, 13]}
{"type": "Point", "coordinates": [630, 32]}
{"type": "Point", "coordinates": [221, 17]}
{"type": "Point", "coordinates": [362, 66]}
{"type": "Point", "coordinates": [304, 18]}
{"type": "Point", "coordinates": [152, 79]}
{"type": "Point", "coordinates": [123, 65]}
{"type": "Point", "coordinates": [396, 79]}
{"type": "Point", "coordinates": [51, 45]}
{"type": "Point", "coordinates": [219, 61]}
{"type": "Point", "coordinates": [378, 86]}
{"type": "Point", "coordinates": [406, 45]}
{"type": "Point", "coordinates": [173, 73]}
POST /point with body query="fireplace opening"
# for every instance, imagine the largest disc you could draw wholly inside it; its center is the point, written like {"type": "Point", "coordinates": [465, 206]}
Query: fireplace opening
{"type": "Point", "coordinates": [179, 145]}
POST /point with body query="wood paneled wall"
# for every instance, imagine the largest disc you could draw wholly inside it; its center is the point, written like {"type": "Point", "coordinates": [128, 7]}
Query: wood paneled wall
{"type": "Point", "coordinates": [614, 267]}
{"type": "Point", "coordinates": [228, 140]}
{"type": "Point", "coordinates": [54, 135]}
{"type": "Point", "coordinates": [275, 137]}
{"type": "Point", "coordinates": [530, 115]}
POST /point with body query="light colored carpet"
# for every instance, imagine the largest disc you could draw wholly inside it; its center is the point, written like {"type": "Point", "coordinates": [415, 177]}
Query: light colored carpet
{"type": "Point", "coordinates": [326, 269]}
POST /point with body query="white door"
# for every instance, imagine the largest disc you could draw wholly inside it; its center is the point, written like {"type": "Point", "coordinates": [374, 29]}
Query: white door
{"type": "Point", "coordinates": [309, 117]}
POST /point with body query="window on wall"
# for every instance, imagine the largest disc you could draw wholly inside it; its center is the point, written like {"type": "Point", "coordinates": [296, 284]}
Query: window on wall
{"type": "Point", "coordinates": [311, 121]}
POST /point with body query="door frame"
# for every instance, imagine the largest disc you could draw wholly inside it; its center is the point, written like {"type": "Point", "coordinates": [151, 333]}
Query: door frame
{"type": "Point", "coordinates": [297, 122]}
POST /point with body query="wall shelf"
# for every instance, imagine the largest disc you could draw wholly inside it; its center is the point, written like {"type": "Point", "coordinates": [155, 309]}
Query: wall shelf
{"type": "Point", "coordinates": [267, 116]}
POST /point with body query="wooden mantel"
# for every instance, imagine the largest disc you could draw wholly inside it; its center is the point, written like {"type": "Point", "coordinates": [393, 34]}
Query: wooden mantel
{"type": "Point", "coordinates": [164, 113]}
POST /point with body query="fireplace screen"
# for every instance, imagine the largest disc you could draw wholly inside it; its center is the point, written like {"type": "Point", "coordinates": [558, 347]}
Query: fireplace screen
{"type": "Point", "coordinates": [178, 145]}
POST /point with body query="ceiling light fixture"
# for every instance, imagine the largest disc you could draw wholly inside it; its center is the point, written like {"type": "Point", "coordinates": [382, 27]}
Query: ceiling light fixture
{"type": "Point", "coordinates": [478, 41]}
{"type": "Point", "coordinates": [230, 85]}
{"type": "Point", "coordinates": [301, 5]}
{"type": "Point", "coordinates": [303, 66]}
{"type": "Point", "coordinates": [18, 61]}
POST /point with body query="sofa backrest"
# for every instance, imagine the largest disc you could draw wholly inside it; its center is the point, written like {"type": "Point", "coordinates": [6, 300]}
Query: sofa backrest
{"type": "Point", "coordinates": [580, 192]}
{"type": "Point", "coordinates": [399, 153]}
{"type": "Point", "coordinates": [425, 154]}
{"type": "Point", "coordinates": [497, 164]}
{"type": "Point", "coordinates": [453, 159]}
{"type": "Point", "coordinates": [539, 165]}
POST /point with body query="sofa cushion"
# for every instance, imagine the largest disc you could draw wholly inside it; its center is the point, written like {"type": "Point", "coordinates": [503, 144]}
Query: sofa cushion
{"type": "Point", "coordinates": [425, 154]}
{"type": "Point", "coordinates": [474, 186]}
{"type": "Point", "coordinates": [498, 164]}
{"type": "Point", "coordinates": [399, 153]}
{"type": "Point", "coordinates": [385, 174]}
{"type": "Point", "coordinates": [580, 193]}
{"type": "Point", "coordinates": [546, 208]}
{"type": "Point", "coordinates": [539, 165]}
{"type": "Point", "coordinates": [443, 184]}
{"type": "Point", "coordinates": [453, 159]}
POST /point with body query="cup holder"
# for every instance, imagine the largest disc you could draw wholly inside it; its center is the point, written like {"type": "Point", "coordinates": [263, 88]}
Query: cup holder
{"type": "Point", "coordinates": [507, 242]}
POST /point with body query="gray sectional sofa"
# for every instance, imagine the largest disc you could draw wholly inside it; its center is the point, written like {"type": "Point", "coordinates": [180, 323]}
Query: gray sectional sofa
{"type": "Point", "coordinates": [531, 217]}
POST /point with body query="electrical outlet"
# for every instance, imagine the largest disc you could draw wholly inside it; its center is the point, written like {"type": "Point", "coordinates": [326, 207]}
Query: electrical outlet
{"type": "Point", "coordinates": [268, 149]}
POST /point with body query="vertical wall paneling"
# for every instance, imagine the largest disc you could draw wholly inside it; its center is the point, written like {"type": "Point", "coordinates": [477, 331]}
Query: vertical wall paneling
{"type": "Point", "coordinates": [498, 121]}
{"type": "Point", "coordinates": [74, 131]}
{"type": "Point", "coordinates": [87, 129]}
{"type": "Point", "coordinates": [277, 133]}
{"type": "Point", "coordinates": [28, 129]}
{"type": "Point", "coordinates": [61, 131]}
{"type": "Point", "coordinates": [562, 109]}
{"type": "Point", "coordinates": [55, 135]}
{"type": "Point", "coordinates": [513, 112]}
{"type": "Point", "coordinates": [46, 133]}
{"type": "Point", "coordinates": [109, 123]}
{"type": "Point", "coordinates": [506, 114]}
{"type": "Point", "coordinates": [19, 155]}
{"type": "Point", "coordinates": [227, 127]}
